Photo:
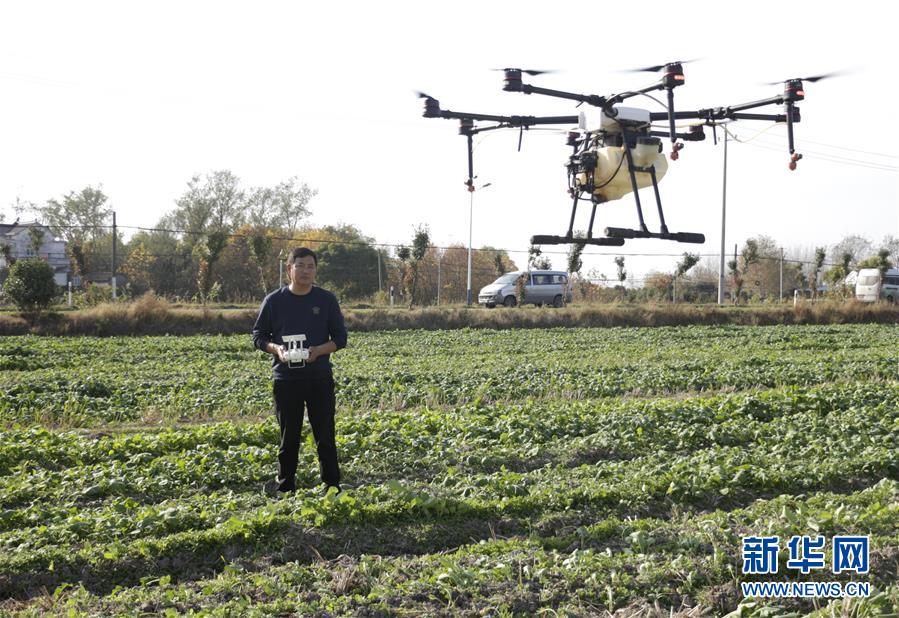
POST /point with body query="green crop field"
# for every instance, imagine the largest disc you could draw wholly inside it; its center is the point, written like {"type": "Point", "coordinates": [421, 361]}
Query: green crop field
{"type": "Point", "coordinates": [554, 472]}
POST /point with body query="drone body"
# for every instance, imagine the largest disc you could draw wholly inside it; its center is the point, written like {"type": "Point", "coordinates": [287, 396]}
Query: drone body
{"type": "Point", "coordinates": [602, 167]}
{"type": "Point", "coordinates": [622, 152]}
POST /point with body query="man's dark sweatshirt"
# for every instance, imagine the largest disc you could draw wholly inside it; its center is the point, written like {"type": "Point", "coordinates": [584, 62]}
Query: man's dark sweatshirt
{"type": "Point", "coordinates": [316, 315]}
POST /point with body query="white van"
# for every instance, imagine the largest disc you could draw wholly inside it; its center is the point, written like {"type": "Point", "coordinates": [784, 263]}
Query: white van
{"type": "Point", "coordinates": [542, 287]}
{"type": "Point", "coordinates": [870, 286]}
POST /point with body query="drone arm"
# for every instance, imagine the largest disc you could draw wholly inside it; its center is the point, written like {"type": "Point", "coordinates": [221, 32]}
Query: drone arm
{"type": "Point", "coordinates": [725, 113]}
{"type": "Point", "coordinates": [506, 121]}
{"type": "Point", "coordinates": [690, 136]}
{"type": "Point", "coordinates": [769, 101]}
{"type": "Point", "coordinates": [590, 99]}
{"type": "Point", "coordinates": [451, 115]}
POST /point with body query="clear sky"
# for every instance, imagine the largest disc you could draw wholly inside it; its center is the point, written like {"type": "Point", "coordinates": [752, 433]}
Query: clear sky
{"type": "Point", "coordinates": [138, 97]}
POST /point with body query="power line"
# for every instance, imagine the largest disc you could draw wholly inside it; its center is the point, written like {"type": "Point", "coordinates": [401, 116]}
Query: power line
{"type": "Point", "coordinates": [376, 245]}
{"type": "Point", "coordinates": [816, 154]}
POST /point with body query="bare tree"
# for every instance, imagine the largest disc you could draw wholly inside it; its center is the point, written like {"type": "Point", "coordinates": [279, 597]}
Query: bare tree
{"type": "Point", "coordinates": [226, 200]}
{"type": "Point", "coordinates": [262, 212]}
{"type": "Point", "coordinates": [291, 199]}
{"type": "Point", "coordinates": [857, 247]}
{"type": "Point", "coordinates": [891, 244]}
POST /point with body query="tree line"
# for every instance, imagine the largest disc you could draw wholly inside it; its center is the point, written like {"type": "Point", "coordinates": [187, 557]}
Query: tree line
{"type": "Point", "coordinates": [224, 242]}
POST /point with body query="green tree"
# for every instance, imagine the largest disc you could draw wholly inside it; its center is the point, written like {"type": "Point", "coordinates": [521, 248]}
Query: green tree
{"type": "Point", "coordinates": [498, 267]}
{"type": "Point", "coordinates": [35, 238]}
{"type": "Point", "coordinates": [881, 262]}
{"type": "Point", "coordinates": [211, 204]}
{"type": "Point", "coordinates": [207, 252]}
{"type": "Point", "coordinates": [820, 256]}
{"type": "Point", "coordinates": [348, 263]}
{"type": "Point", "coordinates": [6, 252]}
{"type": "Point", "coordinates": [79, 216]}
{"type": "Point", "coordinates": [733, 267]}
{"type": "Point", "coordinates": [420, 243]}
{"type": "Point", "coordinates": [172, 270]}
{"type": "Point", "coordinates": [575, 250]}
{"type": "Point", "coordinates": [96, 253]}
{"type": "Point", "coordinates": [685, 264]}
{"type": "Point", "coordinates": [138, 268]}
{"type": "Point", "coordinates": [260, 249]}
{"type": "Point", "coordinates": [536, 259]}
{"type": "Point", "coordinates": [622, 273]}
{"type": "Point", "coordinates": [30, 286]}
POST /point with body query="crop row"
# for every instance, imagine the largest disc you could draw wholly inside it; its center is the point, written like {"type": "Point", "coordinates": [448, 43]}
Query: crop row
{"type": "Point", "coordinates": [41, 465]}
{"type": "Point", "coordinates": [84, 382]}
{"type": "Point", "coordinates": [690, 558]}
{"type": "Point", "coordinates": [642, 459]}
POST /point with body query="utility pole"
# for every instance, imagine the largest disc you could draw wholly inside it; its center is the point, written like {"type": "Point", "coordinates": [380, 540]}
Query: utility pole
{"type": "Point", "coordinates": [736, 266]}
{"type": "Point", "coordinates": [471, 190]}
{"type": "Point", "coordinates": [113, 256]}
{"type": "Point", "coordinates": [379, 270]}
{"type": "Point", "coordinates": [723, 209]}
{"type": "Point", "coordinates": [439, 262]}
{"type": "Point", "coordinates": [781, 274]}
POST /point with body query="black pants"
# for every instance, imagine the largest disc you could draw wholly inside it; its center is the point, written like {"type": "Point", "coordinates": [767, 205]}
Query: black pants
{"type": "Point", "coordinates": [317, 396]}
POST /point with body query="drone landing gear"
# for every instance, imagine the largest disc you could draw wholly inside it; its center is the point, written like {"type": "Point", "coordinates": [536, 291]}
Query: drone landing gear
{"type": "Point", "coordinates": [622, 233]}
{"type": "Point", "coordinates": [543, 239]}
{"type": "Point", "coordinates": [643, 232]}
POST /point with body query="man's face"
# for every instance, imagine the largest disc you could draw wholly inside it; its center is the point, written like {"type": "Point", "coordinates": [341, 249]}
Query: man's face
{"type": "Point", "coordinates": [302, 271]}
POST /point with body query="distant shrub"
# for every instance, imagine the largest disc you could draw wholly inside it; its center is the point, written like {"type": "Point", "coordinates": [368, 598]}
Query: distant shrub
{"type": "Point", "coordinates": [149, 315]}
{"type": "Point", "coordinates": [30, 285]}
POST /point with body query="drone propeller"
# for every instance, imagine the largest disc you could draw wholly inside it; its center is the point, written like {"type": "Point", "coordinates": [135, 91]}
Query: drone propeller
{"type": "Point", "coordinates": [432, 105]}
{"type": "Point", "coordinates": [658, 67]}
{"type": "Point", "coordinates": [812, 79]}
{"type": "Point", "coordinates": [531, 72]}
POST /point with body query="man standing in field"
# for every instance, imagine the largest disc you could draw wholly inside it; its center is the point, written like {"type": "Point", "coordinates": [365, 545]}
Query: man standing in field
{"type": "Point", "coordinates": [302, 308]}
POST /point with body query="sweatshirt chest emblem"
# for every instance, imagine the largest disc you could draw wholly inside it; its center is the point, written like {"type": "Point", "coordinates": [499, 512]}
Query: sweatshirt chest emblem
{"type": "Point", "coordinates": [316, 311]}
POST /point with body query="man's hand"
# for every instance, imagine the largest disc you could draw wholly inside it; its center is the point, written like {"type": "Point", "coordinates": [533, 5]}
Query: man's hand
{"type": "Point", "coordinates": [314, 352]}
{"type": "Point", "coordinates": [278, 350]}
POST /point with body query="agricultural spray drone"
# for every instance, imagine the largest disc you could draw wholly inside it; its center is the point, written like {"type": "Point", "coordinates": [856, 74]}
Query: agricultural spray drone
{"type": "Point", "coordinates": [621, 151]}
{"type": "Point", "coordinates": [296, 354]}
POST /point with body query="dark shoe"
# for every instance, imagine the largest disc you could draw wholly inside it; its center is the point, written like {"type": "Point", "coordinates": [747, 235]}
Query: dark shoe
{"type": "Point", "coordinates": [285, 485]}
{"type": "Point", "coordinates": [336, 489]}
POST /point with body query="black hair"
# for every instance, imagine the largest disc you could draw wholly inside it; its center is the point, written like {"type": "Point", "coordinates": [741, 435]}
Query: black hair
{"type": "Point", "coordinates": [301, 252]}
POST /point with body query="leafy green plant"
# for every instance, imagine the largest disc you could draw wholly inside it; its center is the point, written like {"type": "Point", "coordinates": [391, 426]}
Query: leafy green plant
{"type": "Point", "coordinates": [30, 285]}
